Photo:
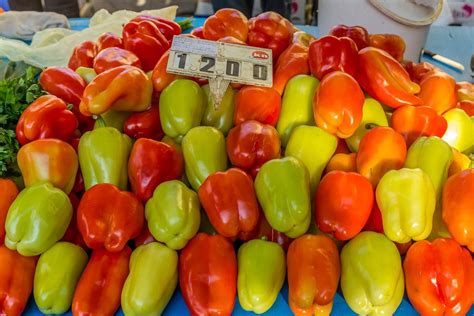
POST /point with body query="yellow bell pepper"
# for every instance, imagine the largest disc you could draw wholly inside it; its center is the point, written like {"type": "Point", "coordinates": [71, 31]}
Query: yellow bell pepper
{"type": "Point", "coordinates": [460, 132]}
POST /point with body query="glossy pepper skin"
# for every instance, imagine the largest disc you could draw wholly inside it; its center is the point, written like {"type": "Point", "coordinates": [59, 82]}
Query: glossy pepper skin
{"type": "Point", "coordinates": [151, 163]}
{"type": "Point", "coordinates": [152, 280]}
{"type": "Point", "coordinates": [439, 277]}
{"type": "Point", "coordinates": [313, 274]}
{"type": "Point", "coordinates": [343, 204]}
{"type": "Point", "coordinates": [460, 163]}
{"type": "Point", "coordinates": [109, 218]}
{"type": "Point", "coordinates": [208, 275]}
{"type": "Point", "coordinates": [103, 157]}
{"type": "Point", "coordinates": [372, 279]}
{"type": "Point", "coordinates": [286, 205]}
{"type": "Point", "coordinates": [103, 278]}
{"type": "Point", "coordinates": [37, 219]}
{"type": "Point", "coordinates": [257, 103]}
{"type": "Point", "coordinates": [330, 53]}
{"type": "Point", "coordinates": [159, 77]}
{"type": "Point", "coordinates": [342, 162]}
{"type": "Point", "coordinates": [357, 33]}
{"type": "Point", "coordinates": [338, 103]}
{"type": "Point", "coordinates": [221, 117]}
{"type": "Point", "coordinates": [438, 90]}
{"type": "Point", "coordinates": [167, 27]}
{"type": "Point", "coordinates": [173, 214]}
{"type": "Point", "coordinates": [385, 79]}
{"type": "Point", "coordinates": [113, 57]}
{"type": "Point", "coordinates": [407, 201]}
{"type": "Point", "coordinates": [262, 269]}
{"type": "Point", "coordinates": [226, 22]}
{"type": "Point", "coordinates": [107, 40]}
{"type": "Point", "coordinates": [460, 131]}
{"type": "Point", "coordinates": [16, 281]}
{"type": "Point", "coordinates": [293, 61]}
{"type": "Point", "coordinates": [144, 124]}
{"type": "Point", "coordinates": [391, 43]}
{"type": "Point", "coordinates": [296, 105]}
{"type": "Point", "coordinates": [230, 203]}
{"type": "Point", "coordinates": [204, 153]}
{"type": "Point", "coordinates": [458, 205]}
{"type": "Point", "coordinates": [9, 192]}
{"type": "Point", "coordinates": [83, 55]}
{"type": "Point", "coordinates": [57, 272]}
{"type": "Point", "coordinates": [380, 150]}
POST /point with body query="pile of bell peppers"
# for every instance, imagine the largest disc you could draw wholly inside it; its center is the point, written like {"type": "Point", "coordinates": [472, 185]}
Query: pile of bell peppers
{"type": "Point", "coordinates": [136, 184]}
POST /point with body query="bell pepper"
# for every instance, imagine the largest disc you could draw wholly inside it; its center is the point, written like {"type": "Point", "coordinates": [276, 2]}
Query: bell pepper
{"type": "Point", "coordinates": [99, 288]}
{"type": "Point", "coordinates": [107, 40]}
{"type": "Point", "coordinates": [159, 77]}
{"type": "Point", "coordinates": [167, 27]}
{"type": "Point", "coordinates": [293, 61]}
{"type": "Point", "coordinates": [226, 22]}
{"type": "Point", "coordinates": [87, 74]}
{"type": "Point", "coordinates": [124, 88]}
{"type": "Point", "coordinates": [198, 32]}
{"type": "Point", "coordinates": [257, 103]}
{"type": "Point", "coordinates": [286, 204]}
{"type": "Point", "coordinates": [385, 79]}
{"type": "Point", "coordinates": [296, 105]}
{"type": "Point", "coordinates": [374, 223]}
{"type": "Point", "coordinates": [37, 219]}
{"type": "Point", "coordinates": [221, 117]}
{"type": "Point", "coordinates": [467, 106]}
{"type": "Point", "coordinates": [438, 90]}
{"type": "Point", "coordinates": [465, 91]}
{"type": "Point", "coordinates": [372, 279]}
{"type": "Point", "coordinates": [9, 192]}
{"type": "Point", "coordinates": [303, 38]}
{"type": "Point", "coordinates": [458, 205]}
{"type": "Point", "coordinates": [433, 156]}
{"type": "Point", "coordinates": [173, 214]}
{"type": "Point", "coordinates": [57, 273]}
{"type": "Point", "coordinates": [262, 269]}
{"type": "Point", "coordinates": [357, 33]}
{"type": "Point", "coordinates": [72, 234]}
{"type": "Point", "coordinates": [391, 43]}
{"type": "Point", "coordinates": [144, 238]}
{"type": "Point", "coordinates": [152, 280]}
{"type": "Point", "coordinates": [266, 232]}
{"type": "Point", "coordinates": [380, 150]}
{"type": "Point", "coordinates": [439, 277]}
{"type": "Point", "coordinates": [418, 70]}
{"type": "Point", "coordinates": [182, 106]}
{"type": "Point", "coordinates": [251, 144]}
{"type": "Point", "coordinates": [329, 53]}
{"type": "Point", "coordinates": [338, 103]}
{"type": "Point", "coordinates": [83, 55]}
{"type": "Point", "coordinates": [113, 57]}
{"type": "Point", "coordinates": [416, 121]}
{"type": "Point", "coordinates": [230, 202]}
{"type": "Point", "coordinates": [372, 115]}
{"type": "Point", "coordinates": [109, 218]}
{"type": "Point", "coordinates": [270, 30]}
{"type": "Point", "coordinates": [112, 118]}
{"type": "Point", "coordinates": [204, 153]}
{"type": "Point", "coordinates": [342, 162]}
{"type": "Point", "coordinates": [313, 275]}
{"type": "Point", "coordinates": [145, 124]}
{"type": "Point", "coordinates": [208, 275]}
{"type": "Point", "coordinates": [460, 163]}
{"type": "Point", "coordinates": [460, 131]}
{"type": "Point", "coordinates": [407, 201]}
{"type": "Point", "coordinates": [16, 281]}
{"type": "Point", "coordinates": [314, 147]}
{"type": "Point", "coordinates": [103, 157]}
{"type": "Point", "coordinates": [151, 163]}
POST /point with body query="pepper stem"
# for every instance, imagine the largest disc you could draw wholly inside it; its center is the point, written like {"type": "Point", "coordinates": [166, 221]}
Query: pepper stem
{"type": "Point", "coordinates": [371, 125]}
{"type": "Point", "coordinates": [100, 122]}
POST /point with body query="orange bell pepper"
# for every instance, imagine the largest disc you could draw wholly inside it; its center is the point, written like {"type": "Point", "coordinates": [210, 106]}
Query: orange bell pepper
{"type": "Point", "coordinates": [124, 88]}
{"type": "Point", "coordinates": [50, 160]}
{"type": "Point", "coordinates": [337, 104]}
{"type": "Point", "coordinates": [257, 103]}
{"type": "Point", "coordinates": [16, 281]}
{"type": "Point", "coordinates": [439, 277]}
{"type": "Point", "coordinates": [83, 55]}
{"type": "Point", "coordinates": [438, 90]}
{"type": "Point", "coordinates": [356, 33]}
{"type": "Point", "coordinates": [109, 218]}
{"type": "Point", "coordinates": [8, 192]}
{"type": "Point", "coordinates": [342, 162]}
{"type": "Point", "coordinates": [385, 79]}
{"type": "Point", "coordinates": [160, 78]}
{"type": "Point", "coordinates": [113, 57]}
{"type": "Point", "coordinates": [313, 274]}
{"type": "Point", "coordinates": [226, 22]}
{"type": "Point", "coordinates": [458, 206]}
{"type": "Point", "coordinates": [418, 71]}
{"type": "Point", "coordinates": [343, 204]}
{"type": "Point", "coordinates": [460, 163]}
{"type": "Point", "coordinates": [100, 286]}
{"type": "Point", "coordinates": [391, 43]}
{"type": "Point", "coordinates": [293, 61]}
{"type": "Point", "coordinates": [382, 149]}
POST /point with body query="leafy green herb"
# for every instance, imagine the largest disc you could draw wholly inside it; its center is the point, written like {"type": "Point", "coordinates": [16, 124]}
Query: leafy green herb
{"type": "Point", "coordinates": [186, 24]}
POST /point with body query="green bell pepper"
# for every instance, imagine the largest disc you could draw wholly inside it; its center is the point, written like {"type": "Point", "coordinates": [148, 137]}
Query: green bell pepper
{"type": "Point", "coordinates": [262, 269]}
{"type": "Point", "coordinates": [152, 280]}
{"type": "Point", "coordinates": [296, 105]}
{"type": "Point", "coordinates": [37, 219]}
{"type": "Point", "coordinates": [204, 153]}
{"type": "Point", "coordinates": [112, 118]}
{"type": "Point", "coordinates": [173, 214]}
{"type": "Point", "coordinates": [314, 147]}
{"type": "Point", "coordinates": [371, 275]}
{"type": "Point", "coordinates": [282, 187]}
{"type": "Point", "coordinates": [88, 74]}
{"type": "Point", "coordinates": [103, 157]}
{"type": "Point", "coordinates": [57, 273]}
{"type": "Point", "coordinates": [221, 117]}
{"type": "Point", "coordinates": [182, 105]}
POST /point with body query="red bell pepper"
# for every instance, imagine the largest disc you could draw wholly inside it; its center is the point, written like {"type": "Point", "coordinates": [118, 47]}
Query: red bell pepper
{"type": "Point", "coordinates": [100, 286]}
{"type": "Point", "coordinates": [107, 40]}
{"type": "Point", "coordinates": [72, 234]}
{"type": "Point", "coordinates": [265, 231]}
{"type": "Point", "coordinates": [226, 22]}
{"type": "Point", "coordinates": [167, 27]}
{"type": "Point", "coordinates": [337, 104]}
{"type": "Point", "coordinates": [330, 53]}
{"type": "Point", "coordinates": [208, 275]}
{"type": "Point", "coordinates": [152, 162]}
{"type": "Point", "coordinates": [16, 281]}
{"type": "Point", "coordinates": [108, 217]}
{"type": "Point", "coordinates": [198, 32]}
{"type": "Point", "coordinates": [257, 103]}
{"type": "Point", "coordinates": [438, 90]}
{"type": "Point", "coordinates": [251, 144]}
{"type": "Point", "coordinates": [357, 33]}
{"type": "Point", "coordinates": [113, 57]}
{"type": "Point", "coordinates": [391, 43]}
{"type": "Point", "coordinates": [293, 61]}
{"type": "Point", "coordinates": [418, 71]}
{"type": "Point", "coordinates": [83, 55]}
{"type": "Point", "coordinates": [230, 202]}
{"type": "Point", "coordinates": [145, 237]}
{"type": "Point", "coordinates": [145, 124]}
{"type": "Point", "coordinates": [374, 223]}
{"type": "Point", "coordinates": [8, 192]}
{"type": "Point", "coordinates": [467, 106]}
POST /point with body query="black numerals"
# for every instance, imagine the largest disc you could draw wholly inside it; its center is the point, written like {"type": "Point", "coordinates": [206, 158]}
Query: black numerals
{"type": "Point", "coordinates": [232, 68]}
{"type": "Point", "coordinates": [260, 72]}
{"type": "Point", "coordinates": [182, 60]}
{"type": "Point", "coordinates": [207, 64]}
